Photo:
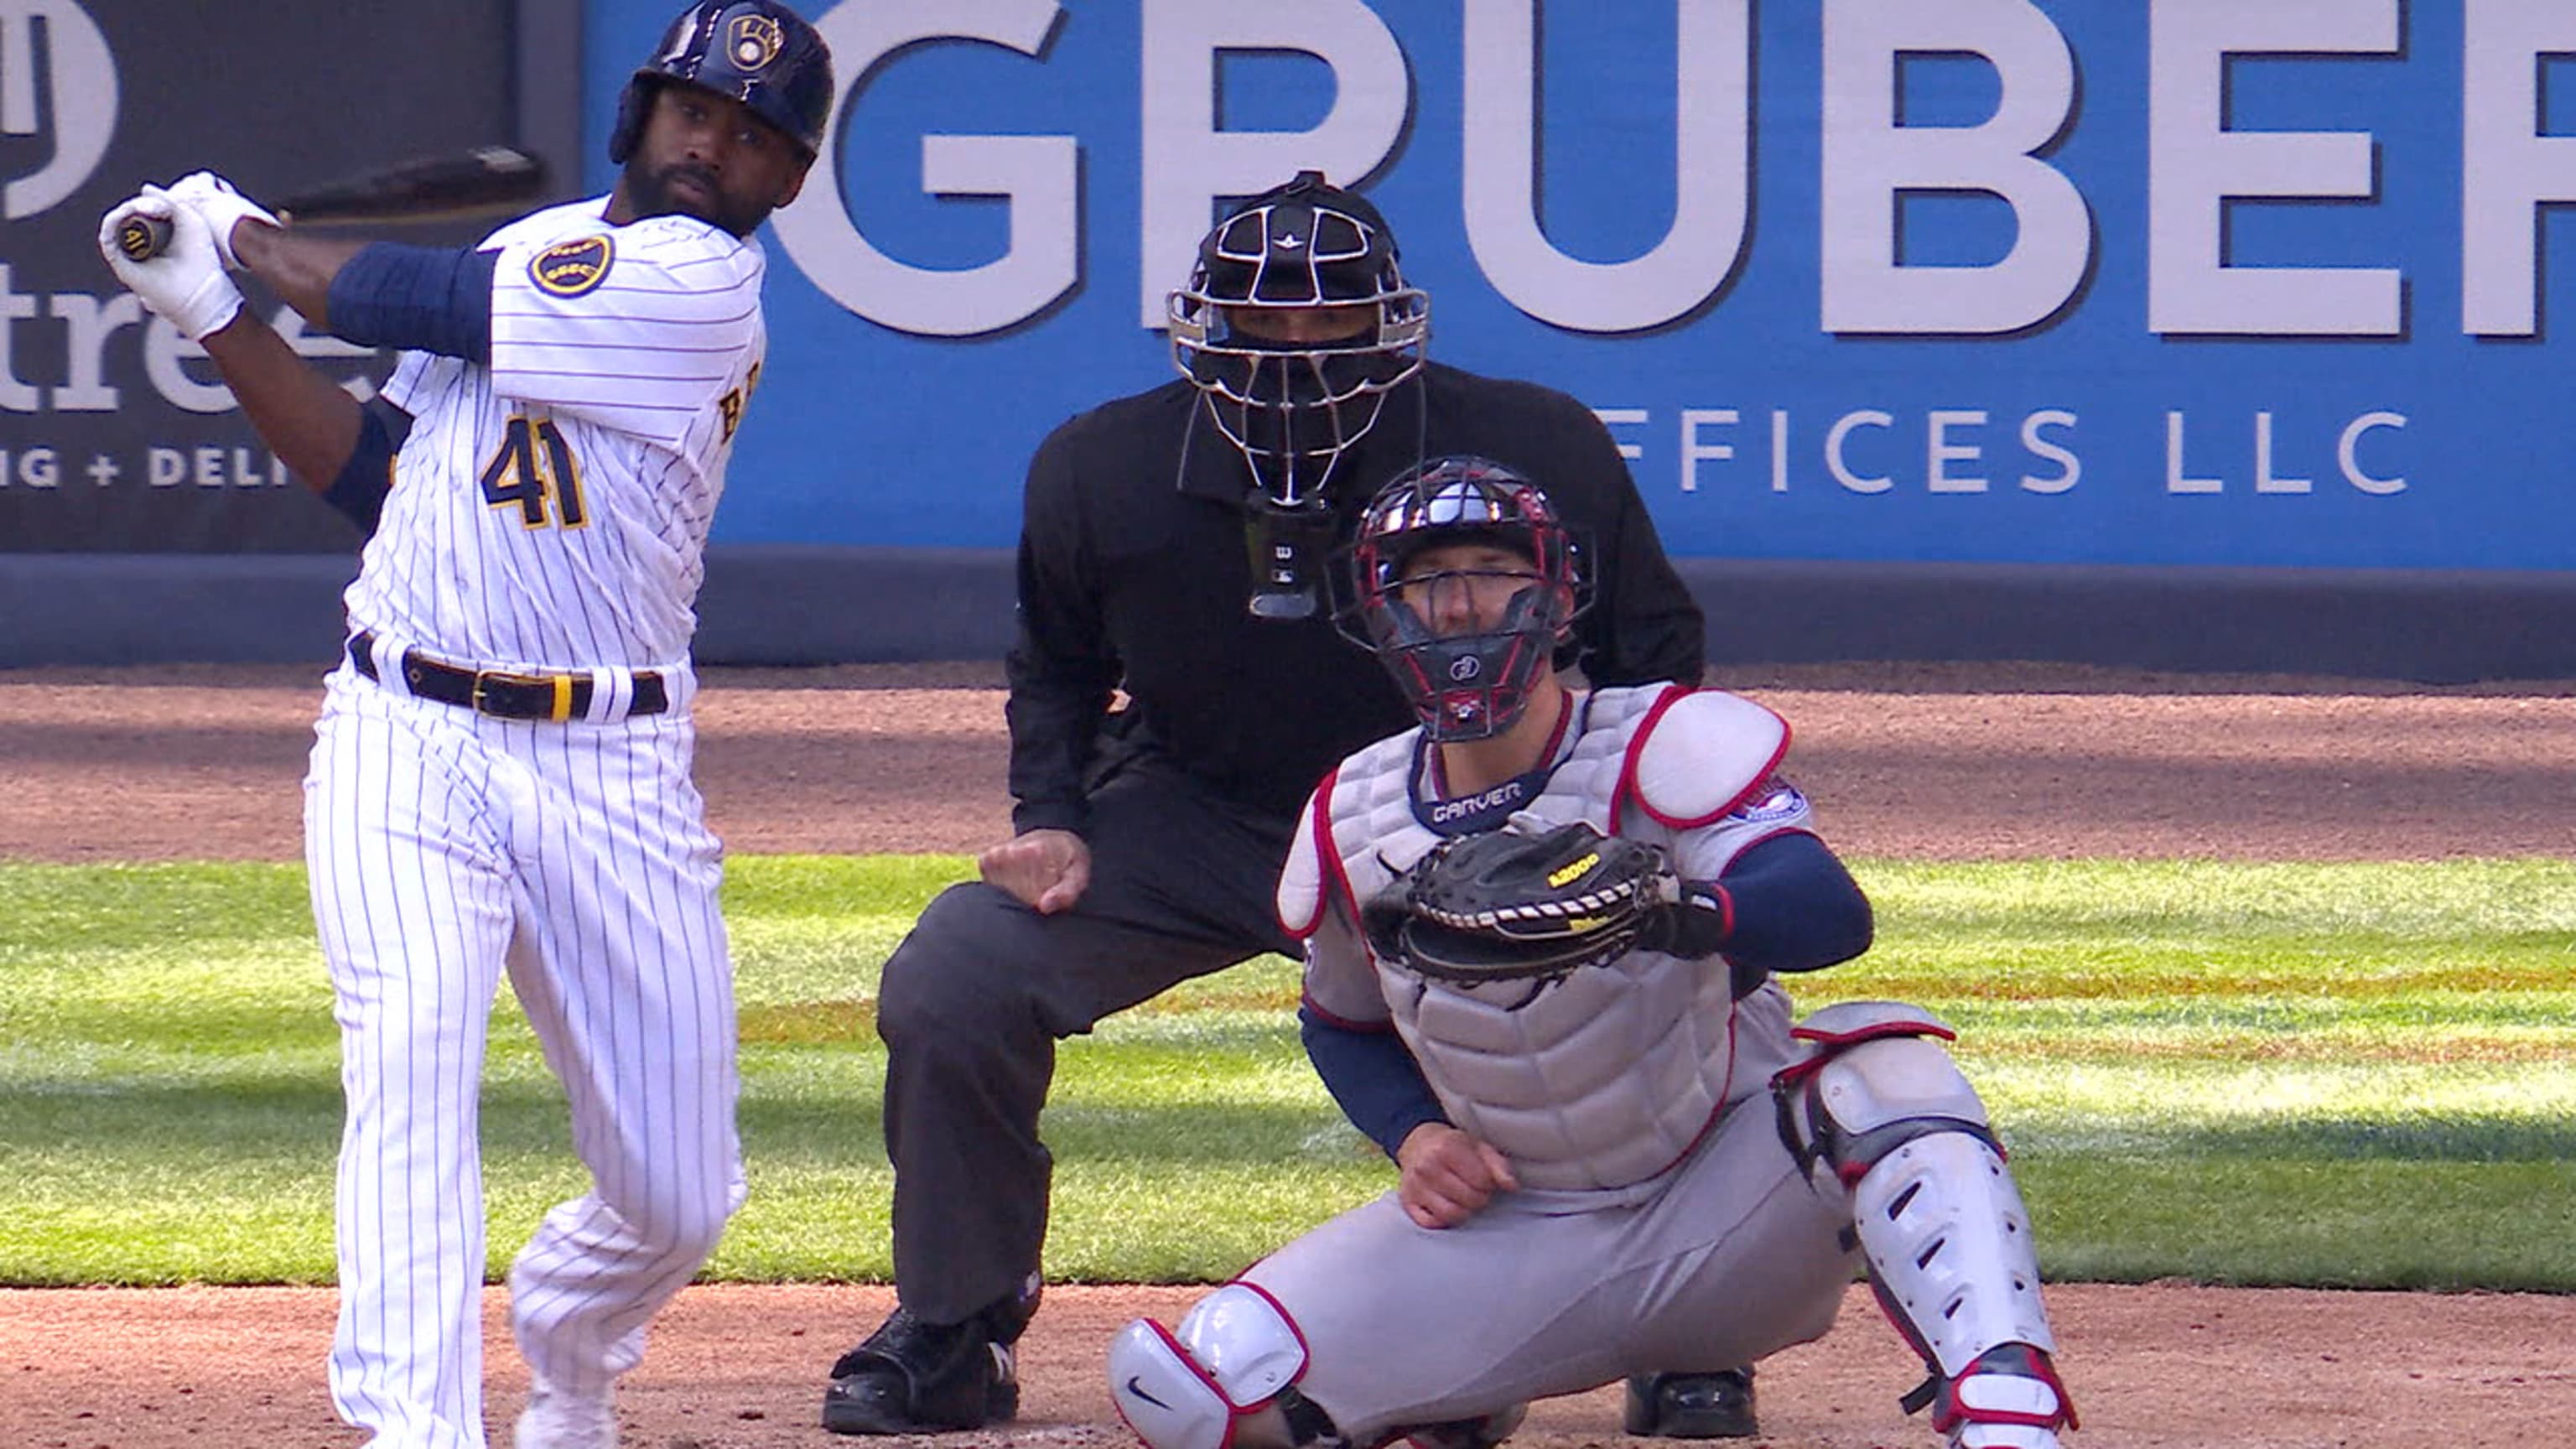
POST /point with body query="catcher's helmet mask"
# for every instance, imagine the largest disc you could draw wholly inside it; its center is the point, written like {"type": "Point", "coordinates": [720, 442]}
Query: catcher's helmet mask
{"type": "Point", "coordinates": [757, 52]}
{"type": "Point", "coordinates": [1292, 408]}
{"type": "Point", "coordinates": [1475, 684]}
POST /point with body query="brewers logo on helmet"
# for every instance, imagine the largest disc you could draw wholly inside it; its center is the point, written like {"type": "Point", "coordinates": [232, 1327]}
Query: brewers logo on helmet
{"type": "Point", "coordinates": [754, 40]}
{"type": "Point", "coordinates": [757, 52]}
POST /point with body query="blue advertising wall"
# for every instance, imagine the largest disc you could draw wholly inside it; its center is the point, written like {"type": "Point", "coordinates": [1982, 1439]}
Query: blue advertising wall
{"type": "Point", "coordinates": [1967, 281]}
{"type": "Point", "coordinates": [2193, 334]}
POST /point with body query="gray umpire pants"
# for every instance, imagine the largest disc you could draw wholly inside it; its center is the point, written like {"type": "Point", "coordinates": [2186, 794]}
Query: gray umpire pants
{"type": "Point", "coordinates": [975, 999]}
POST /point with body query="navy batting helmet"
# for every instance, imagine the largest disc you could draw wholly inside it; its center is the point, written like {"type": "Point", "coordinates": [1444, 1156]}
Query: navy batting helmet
{"type": "Point", "coordinates": [757, 52]}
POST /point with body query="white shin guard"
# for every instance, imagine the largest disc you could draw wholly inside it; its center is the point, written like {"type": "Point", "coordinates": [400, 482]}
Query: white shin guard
{"type": "Point", "coordinates": [1891, 1117]}
{"type": "Point", "coordinates": [1218, 1381]}
{"type": "Point", "coordinates": [1949, 1245]}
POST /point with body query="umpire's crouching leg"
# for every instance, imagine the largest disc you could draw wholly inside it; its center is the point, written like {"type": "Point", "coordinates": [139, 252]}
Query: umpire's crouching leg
{"type": "Point", "coordinates": [969, 1056]}
{"type": "Point", "coordinates": [975, 998]}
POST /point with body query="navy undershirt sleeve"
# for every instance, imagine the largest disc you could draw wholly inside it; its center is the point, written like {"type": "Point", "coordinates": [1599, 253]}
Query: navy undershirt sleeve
{"type": "Point", "coordinates": [1373, 1076]}
{"type": "Point", "coordinates": [368, 477]}
{"type": "Point", "coordinates": [427, 299]}
{"type": "Point", "coordinates": [1795, 907]}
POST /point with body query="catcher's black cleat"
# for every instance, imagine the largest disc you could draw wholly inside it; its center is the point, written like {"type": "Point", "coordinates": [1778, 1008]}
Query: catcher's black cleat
{"type": "Point", "coordinates": [912, 1377]}
{"type": "Point", "coordinates": [1692, 1406]}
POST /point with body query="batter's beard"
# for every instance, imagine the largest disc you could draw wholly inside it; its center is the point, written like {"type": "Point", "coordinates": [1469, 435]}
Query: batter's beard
{"type": "Point", "coordinates": [651, 192]}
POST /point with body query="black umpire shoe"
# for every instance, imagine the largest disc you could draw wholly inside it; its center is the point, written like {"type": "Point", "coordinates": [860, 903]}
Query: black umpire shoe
{"type": "Point", "coordinates": [1692, 1406]}
{"type": "Point", "coordinates": [912, 1377]}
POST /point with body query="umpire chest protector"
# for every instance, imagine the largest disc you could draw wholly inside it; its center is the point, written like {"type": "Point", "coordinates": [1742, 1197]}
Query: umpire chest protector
{"type": "Point", "coordinates": [1605, 1078]}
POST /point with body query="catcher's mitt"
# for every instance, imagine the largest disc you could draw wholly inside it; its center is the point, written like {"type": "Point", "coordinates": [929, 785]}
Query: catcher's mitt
{"type": "Point", "coordinates": [1509, 905]}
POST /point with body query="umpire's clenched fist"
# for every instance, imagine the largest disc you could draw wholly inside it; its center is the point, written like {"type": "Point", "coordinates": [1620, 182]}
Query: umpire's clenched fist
{"type": "Point", "coordinates": [1048, 870]}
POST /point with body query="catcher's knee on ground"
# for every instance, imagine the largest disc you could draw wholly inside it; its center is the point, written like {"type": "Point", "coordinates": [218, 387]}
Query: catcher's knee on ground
{"type": "Point", "coordinates": [1227, 1379]}
{"type": "Point", "coordinates": [1883, 1111]}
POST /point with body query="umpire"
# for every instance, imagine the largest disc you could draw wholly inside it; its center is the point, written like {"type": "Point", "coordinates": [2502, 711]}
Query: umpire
{"type": "Point", "coordinates": [1175, 545]}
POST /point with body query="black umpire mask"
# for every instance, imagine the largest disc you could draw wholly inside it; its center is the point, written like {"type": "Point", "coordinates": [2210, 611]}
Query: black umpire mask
{"type": "Point", "coordinates": [1294, 326]}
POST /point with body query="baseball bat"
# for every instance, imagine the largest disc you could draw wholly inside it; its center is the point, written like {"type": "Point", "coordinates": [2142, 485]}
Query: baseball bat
{"type": "Point", "coordinates": [469, 183]}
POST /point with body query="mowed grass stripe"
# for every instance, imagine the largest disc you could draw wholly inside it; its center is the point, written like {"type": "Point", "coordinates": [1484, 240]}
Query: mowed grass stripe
{"type": "Point", "coordinates": [2342, 1074]}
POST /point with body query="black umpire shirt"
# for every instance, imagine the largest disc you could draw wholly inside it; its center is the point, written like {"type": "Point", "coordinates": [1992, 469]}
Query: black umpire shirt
{"type": "Point", "coordinates": [1133, 573]}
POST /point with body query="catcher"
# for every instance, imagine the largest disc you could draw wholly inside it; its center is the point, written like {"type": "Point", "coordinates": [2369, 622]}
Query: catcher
{"type": "Point", "coordinates": [1541, 931]}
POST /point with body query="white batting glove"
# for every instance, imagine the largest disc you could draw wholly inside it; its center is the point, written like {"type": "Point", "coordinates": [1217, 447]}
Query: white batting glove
{"type": "Point", "coordinates": [222, 206]}
{"type": "Point", "coordinates": [185, 283]}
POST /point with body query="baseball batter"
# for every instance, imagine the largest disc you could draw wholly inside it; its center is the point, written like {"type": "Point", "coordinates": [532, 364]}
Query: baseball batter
{"type": "Point", "coordinates": [501, 775]}
{"type": "Point", "coordinates": [1610, 1160]}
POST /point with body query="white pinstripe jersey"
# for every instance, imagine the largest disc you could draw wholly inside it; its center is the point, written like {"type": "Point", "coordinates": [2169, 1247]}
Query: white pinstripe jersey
{"type": "Point", "coordinates": [551, 510]}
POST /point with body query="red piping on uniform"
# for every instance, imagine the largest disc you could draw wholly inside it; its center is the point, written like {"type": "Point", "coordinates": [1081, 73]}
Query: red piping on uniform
{"type": "Point", "coordinates": [1627, 785]}
{"type": "Point", "coordinates": [2048, 1371]}
{"type": "Point", "coordinates": [1725, 897]}
{"type": "Point", "coordinates": [2063, 1418]}
{"type": "Point", "coordinates": [1322, 801]}
{"type": "Point", "coordinates": [1564, 718]}
{"type": "Point", "coordinates": [1328, 850]}
{"type": "Point", "coordinates": [1836, 1043]}
{"type": "Point", "coordinates": [1304, 1350]}
{"type": "Point", "coordinates": [1637, 748]}
{"type": "Point", "coordinates": [1905, 1329]}
{"type": "Point", "coordinates": [1798, 1071]}
{"type": "Point", "coordinates": [1918, 1026]}
{"type": "Point", "coordinates": [1307, 1000]}
{"type": "Point", "coordinates": [1725, 1090]}
{"type": "Point", "coordinates": [1190, 1362]}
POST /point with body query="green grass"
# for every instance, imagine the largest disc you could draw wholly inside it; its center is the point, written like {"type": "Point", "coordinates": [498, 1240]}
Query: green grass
{"type": "Point", "coordinates": [2350, 1075]}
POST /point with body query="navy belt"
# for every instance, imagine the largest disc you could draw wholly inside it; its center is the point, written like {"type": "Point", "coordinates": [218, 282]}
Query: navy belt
{"type": "Point", "coordinates": [505, 695]}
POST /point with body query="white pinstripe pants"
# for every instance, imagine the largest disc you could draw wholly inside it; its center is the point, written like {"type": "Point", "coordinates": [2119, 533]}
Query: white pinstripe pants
{"type": "Point", "coordinates": [443, 849]}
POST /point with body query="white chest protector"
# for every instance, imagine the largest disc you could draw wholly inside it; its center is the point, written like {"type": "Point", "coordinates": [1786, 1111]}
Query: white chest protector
{"type": "Point", "coordinates": [1606, 1078]}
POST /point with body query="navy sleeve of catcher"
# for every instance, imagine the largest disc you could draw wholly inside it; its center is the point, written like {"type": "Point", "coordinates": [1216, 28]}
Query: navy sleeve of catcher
{"type": "Point", "coordinates": [368, 477]}
{"type": "Point", "coordinates": [1793, 907]}
{"type": "Point", "coordinates": [432, 299]}
{"type": "Point", "coordinates": [1373, 1077]}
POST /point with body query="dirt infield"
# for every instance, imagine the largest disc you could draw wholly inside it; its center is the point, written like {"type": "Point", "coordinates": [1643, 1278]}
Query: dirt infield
{"type": "Point", "coordinates": [1906, 761]}
{"type": "Point", "coordinates": [2156, 1367]}
{"type": "Point", "coordinates": [1994, 761]}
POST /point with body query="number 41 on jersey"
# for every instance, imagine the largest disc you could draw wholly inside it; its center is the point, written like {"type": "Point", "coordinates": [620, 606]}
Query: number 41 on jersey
{"type": "Point", "coordinates": [532, 465]}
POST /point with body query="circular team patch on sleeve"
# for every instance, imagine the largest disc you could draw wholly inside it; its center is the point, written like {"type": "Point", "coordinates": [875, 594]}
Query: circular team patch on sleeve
{"type": "Point", "coordinates": [570, 268]}
{"type": "Point", "coordinates": [1772, 801]}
